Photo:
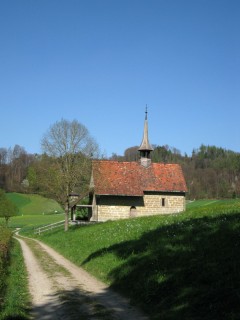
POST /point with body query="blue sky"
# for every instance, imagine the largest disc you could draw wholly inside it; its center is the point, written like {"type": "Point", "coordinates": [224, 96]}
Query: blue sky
{"type": "Point", "coordinates": [102, 61]}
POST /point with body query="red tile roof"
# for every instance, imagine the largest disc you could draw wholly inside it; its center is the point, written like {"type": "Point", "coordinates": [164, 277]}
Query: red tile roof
{"type": "Point", "coordinates": [132, 179]}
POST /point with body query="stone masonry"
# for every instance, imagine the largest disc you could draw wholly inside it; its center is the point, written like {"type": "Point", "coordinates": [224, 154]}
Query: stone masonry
{"type": "Point", "coordinates": [112, 208]}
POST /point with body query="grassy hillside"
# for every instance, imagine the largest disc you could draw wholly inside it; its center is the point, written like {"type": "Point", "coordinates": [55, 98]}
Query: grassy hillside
{"type": "Point", "coordinates": [34, 211]}
{"type": "Point", "coordinates": [31, 204]}
{"type": "Point", "coordinates": [183, 266]}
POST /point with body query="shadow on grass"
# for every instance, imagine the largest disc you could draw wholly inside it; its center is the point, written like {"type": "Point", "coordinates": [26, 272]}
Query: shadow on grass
{"type": "Point", "coordinates": [187, 270]}
{"type": "Point", "coordinates": [76, 304]}
{"type": "Point", "coordinates": [15, 317]}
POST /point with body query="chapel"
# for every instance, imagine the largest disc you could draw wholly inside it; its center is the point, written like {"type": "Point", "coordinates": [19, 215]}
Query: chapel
{"type": "Point", "coordinates": [120, 190]}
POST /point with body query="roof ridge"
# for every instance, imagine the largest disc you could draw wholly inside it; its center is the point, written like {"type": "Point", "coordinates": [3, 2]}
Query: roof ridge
{"type": "Point", "coordinates": [115, 161]}
{"type": "Point", "coordinates": [137, 162]}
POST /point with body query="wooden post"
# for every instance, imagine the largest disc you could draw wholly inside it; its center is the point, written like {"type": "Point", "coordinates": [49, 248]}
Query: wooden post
{"type": "Point", "coordinates": [66, 215]}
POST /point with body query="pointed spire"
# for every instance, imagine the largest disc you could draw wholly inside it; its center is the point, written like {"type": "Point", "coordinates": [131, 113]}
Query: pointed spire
{"type": "Point", "coordinates": [145, 147]}
{"type": "Point", "coordinates": [146, 113]}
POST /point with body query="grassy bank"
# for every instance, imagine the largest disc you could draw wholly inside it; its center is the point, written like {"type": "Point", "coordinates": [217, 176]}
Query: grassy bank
{"type": "Point", "coordinates": [14, 296]}
{"type": "Point", "coordinates": [13, 279]}
{"type": "Point", "coordinates": [15, 304]}
{"type": "Point", "coordinates": [5, 245]}
{"type": "Point", "coordinates": [175, 267]}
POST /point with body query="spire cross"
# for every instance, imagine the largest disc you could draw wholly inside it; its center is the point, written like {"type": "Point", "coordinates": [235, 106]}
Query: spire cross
{"type": "Point", "coordinates": [145, 147]}
{"type": "Point", "coordinates": [146, 112]}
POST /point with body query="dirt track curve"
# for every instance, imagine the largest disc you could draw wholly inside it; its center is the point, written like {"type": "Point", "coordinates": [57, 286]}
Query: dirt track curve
{"type": "Point", "coordinates": [61, 290]}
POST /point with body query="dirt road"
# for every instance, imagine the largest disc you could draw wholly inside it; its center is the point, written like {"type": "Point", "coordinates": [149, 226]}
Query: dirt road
{"type": "Point", "coordinates": [61, 290]}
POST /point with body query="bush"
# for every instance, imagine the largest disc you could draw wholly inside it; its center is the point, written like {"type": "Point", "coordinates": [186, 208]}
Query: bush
{"type": "Point", "coordinates": [5, 244]}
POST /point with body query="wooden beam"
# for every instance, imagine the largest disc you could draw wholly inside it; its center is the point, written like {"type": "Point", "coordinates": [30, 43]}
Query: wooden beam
{"type": "Point", "coordinates": [84, 205]}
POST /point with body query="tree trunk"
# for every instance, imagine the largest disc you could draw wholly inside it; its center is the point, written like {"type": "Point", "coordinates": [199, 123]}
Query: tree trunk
{"type": "Point", "coordinates": [66, 216]}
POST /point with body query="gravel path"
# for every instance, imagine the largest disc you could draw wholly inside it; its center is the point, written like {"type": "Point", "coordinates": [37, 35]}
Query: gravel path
{"type": "Point", "coordinates": [61, 290]}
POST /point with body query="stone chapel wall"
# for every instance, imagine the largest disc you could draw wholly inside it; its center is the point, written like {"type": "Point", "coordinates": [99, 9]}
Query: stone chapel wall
{"type": "Point", "coordinates": [114, 208]}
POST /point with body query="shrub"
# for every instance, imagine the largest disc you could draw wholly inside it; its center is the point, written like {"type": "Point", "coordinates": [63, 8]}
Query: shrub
{"type": "Point", "coordinates": [5, 243]}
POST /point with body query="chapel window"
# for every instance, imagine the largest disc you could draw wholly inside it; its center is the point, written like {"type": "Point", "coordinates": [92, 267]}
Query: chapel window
{"type": "Point", "coordinates": [163, 202]}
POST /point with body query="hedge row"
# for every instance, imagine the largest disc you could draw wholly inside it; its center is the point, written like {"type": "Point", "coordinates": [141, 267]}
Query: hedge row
{"type": "Point", "coordinates": [5, 243]}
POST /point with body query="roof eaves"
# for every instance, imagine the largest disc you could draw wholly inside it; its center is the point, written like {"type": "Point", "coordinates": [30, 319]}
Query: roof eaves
{"type": "Point", "coordinates": [120, 195]}
{"type": "Point", "coordinates": [164, 190]}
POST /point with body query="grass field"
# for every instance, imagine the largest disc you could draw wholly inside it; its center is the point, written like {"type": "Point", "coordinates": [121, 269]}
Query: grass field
{"type": "Point", "coordinates": [31, 204]}
{"type": "Point", "coordinates": [29, 222]}
{"type": "Point", "coordinates": [181, 266]}
{"type": "Point", "coordinates": [33, 211]}
{"type": "Point", "coordinates": [206, 202]}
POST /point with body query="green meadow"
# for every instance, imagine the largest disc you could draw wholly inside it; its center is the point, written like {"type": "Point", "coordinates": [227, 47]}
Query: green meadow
{"type": "Point", "coordinates": [33, 204]}
{"type": "Point", "coordinates": [183, 266]}
{"type": "Point", "coordinates": [33, 211]}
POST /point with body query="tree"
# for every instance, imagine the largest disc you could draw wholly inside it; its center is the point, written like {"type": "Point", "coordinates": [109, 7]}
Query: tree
{"type": "Point", "coordinates": [3, 156]}
{"type": "Point", "coordinates": [131, 154]}
{"type": "Point", "coordinates": [69, 148]}
{"type": "Point", "coordinates": [14, 165]}
{"type": "Point", "coordinates": [7, 208]}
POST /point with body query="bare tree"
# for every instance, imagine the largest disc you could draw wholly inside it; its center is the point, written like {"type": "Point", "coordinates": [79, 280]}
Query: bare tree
{"type": "Point", "coordinates": [131, 154]}
{"type": "Point", "coordinates": [71, 147]}
{"type": "Point", "coordinates": [14, 165]}
{"type": "Point", "coordinates": [3, 156]}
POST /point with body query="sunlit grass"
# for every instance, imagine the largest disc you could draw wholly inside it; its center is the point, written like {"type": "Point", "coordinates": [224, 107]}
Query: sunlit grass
{"type": "Point", "coordinates": [182, 266]}
{"type": "Point", "coordinates": [33, 204]}
{"type": "Point", "coordinates": [29, 222]}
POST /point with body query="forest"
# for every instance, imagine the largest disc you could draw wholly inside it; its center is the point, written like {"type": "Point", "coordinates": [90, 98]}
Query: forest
{"type": "Point", "coordinates": [210, 172]}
